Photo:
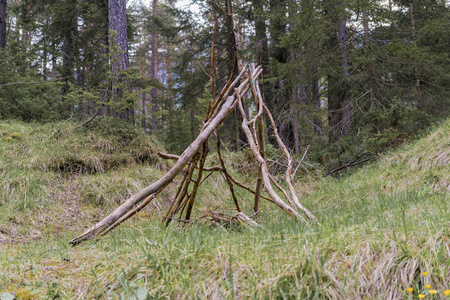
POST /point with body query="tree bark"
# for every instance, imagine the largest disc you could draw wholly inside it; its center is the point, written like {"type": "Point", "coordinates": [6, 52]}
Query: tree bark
{"type": "Point", "coordinates": [333, 91]}
{"type": "Point", "coordinates": [154, 67]}
{"type": "Point", "coordinates": [261, 47]}
{"type": "Point", "coordinates": [315, 94]}
{"type": "Point", "coordinates": [3, 23]}
{"type": "Point", "coordinates": [70, 32]}
{"type": "Point", "coordinates": [419, 100]}
{"type": "Point", "coordinates": [369, 59]}
{"type": "Point", "coordinates": [117, 16]}
{"type": "Point", "coordinates": [344, 98]}
{"type": "Point", "coordinates": [143, 67]}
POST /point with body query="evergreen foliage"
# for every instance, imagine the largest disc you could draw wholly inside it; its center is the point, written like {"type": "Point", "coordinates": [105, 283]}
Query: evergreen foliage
{"type": "Point", "coordinates": [342, 77]}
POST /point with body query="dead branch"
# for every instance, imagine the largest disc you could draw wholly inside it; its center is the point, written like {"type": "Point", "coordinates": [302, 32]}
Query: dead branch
{"type": "Point", "coordinates": [168, 156]}
{"type": "Point", "coordinates": [352, 163]}
{"type": "Point", "coordinates": [263, 166]}
{"type": "Point", "coordinates": [225, 172]}
{"type": "Point", "coordinates": [300, 162]}
{"type": "Point", "coordinates": [91, 118]}
{"type": "Point", "coordinates": [289, 169]}
{"type": "Point", "coordinates": [259, 134]}
{"type": "Point", "coordinates": [35, 82]}
{"type": "Point", "coordinates": [197, 182]}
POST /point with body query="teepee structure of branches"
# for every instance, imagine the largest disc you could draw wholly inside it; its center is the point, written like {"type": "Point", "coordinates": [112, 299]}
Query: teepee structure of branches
{"type": "Point", "coordinates": [195, 155]}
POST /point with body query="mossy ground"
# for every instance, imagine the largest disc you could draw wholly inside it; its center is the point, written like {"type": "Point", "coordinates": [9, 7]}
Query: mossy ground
{"type": "Point", "coordinates": [380, 226]}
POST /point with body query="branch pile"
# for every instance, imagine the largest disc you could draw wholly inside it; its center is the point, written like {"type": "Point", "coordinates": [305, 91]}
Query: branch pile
{"type": "Point", "coordinates": [194, 158]}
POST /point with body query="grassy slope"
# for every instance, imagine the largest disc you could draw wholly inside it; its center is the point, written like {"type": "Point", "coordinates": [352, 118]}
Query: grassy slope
{"type": "Point", "coordinates": [380, 227]}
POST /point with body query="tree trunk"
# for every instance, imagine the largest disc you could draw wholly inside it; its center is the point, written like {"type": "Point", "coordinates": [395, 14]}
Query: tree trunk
{"type": "Point", "coordinates": [117, 16]}
{"type": "Point", "coordinates": [143, 66]}
{"type": "Point", "coordinates": [261, 48]}
{"type": "Point", "coordinates": [279, 54]}
{"type": "Point", "coordinates": [315, 95]}
{"type": "Point", "coordinates": [3, 23]}
{"type": "Point", "coordinates": [416, 67]}
{"type": "Point", "coordinates": [154, 68]}
{"type": "Point", "coordinates": [345, 101]}
{"type": "Point", "coordinates": [104, 52]}
{"type": "Point", "coordinates": [333, 91]}
{"type": "Point", "coordinates": [69, 45]}
{"type": "Point", "coordinates": [369, 59]}
{"type": "Point", "coordinates": [339, 110]}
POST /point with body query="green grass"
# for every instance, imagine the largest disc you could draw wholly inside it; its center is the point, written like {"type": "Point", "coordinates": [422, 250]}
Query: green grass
{"type": "Point", "coordinates": [381, 227]}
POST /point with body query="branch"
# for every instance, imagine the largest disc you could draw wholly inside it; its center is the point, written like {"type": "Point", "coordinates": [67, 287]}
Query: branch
{"type": "Point", "coordinates": [36, 82]}
{"type": "Point", "coordinates": [350, 164]}
{"type": "Point", "coordinates": [301, 160]}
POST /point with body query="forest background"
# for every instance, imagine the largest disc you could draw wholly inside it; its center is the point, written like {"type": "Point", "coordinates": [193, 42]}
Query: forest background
{"type": "Point", "coordinates": [343, 78]}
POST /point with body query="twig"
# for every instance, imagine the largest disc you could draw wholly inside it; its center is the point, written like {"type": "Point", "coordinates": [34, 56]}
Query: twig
{"type": "Point", "coordinates": [300, 163]}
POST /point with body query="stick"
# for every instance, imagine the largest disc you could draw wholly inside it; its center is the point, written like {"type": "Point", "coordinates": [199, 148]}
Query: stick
{"type": "Point", "coordinates": [263, 166]}
{"type": "Point", "coordinates": [289, 169]}
{"type": "Point", "coordinates": [300, 163]}
{"type": "Point", "coordinates": [350, 164]}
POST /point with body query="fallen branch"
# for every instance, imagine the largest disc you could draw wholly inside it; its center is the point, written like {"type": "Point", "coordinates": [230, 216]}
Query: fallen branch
{"type": "Point", "coordinates": [350, 164]}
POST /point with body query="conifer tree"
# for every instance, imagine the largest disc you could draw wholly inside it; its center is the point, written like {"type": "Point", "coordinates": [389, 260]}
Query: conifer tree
{"type": "Point", "coordinates": [117, 17]}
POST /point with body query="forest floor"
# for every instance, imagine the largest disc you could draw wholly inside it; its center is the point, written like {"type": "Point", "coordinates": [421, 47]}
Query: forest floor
{"type": "Point", "coordinates": [380, 227]}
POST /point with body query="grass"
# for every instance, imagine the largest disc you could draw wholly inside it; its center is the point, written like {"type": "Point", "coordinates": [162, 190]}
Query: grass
{"type": "Point", "coordinates": [381, 227]}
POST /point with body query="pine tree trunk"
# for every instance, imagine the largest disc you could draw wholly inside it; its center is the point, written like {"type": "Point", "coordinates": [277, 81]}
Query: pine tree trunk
{"type": "Point", "coordinates": [117, 16]}
{"type": "Point", "coordinates": [142, 61]}
{"type": "Point", "coordinates": [369, 62]}
{"type": "Point", "coordinates": [3, 23]}
{"type": "Point", "coordinates": [333, 91]}
{"type": "Point", "coordinates": [419, 100]}
{"type": "Point", "coordinates": [315, 94]}
{"type": "Point", "coordinates": [104, 66]}
{"type": "Point", "coordinates": [345, 101]}
{"type": "Point", "coordinates": [154, 68]}
{"type": "Point", "coordinates": [261, 48]}
{"type": "Point", "coordinates": [69, 45]}
{"type": "Point", "coordinates": [339, 109]}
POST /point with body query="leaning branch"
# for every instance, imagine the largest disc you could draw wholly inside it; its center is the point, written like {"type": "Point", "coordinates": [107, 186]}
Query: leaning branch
{"type": "Point", "coordinates": [34, 82]}
{"type": "Point", "coordinates": [350, 164]}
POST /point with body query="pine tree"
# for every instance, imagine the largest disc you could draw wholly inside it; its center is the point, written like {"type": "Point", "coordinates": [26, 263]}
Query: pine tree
{"type": "Point", "coordinates": [117, 17]}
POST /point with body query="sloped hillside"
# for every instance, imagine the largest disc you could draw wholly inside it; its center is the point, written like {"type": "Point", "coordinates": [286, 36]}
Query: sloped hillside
{"type": "Point", "coordinates": [56, 174]}
{"type": "Point", "coordinates": [380, 228]}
